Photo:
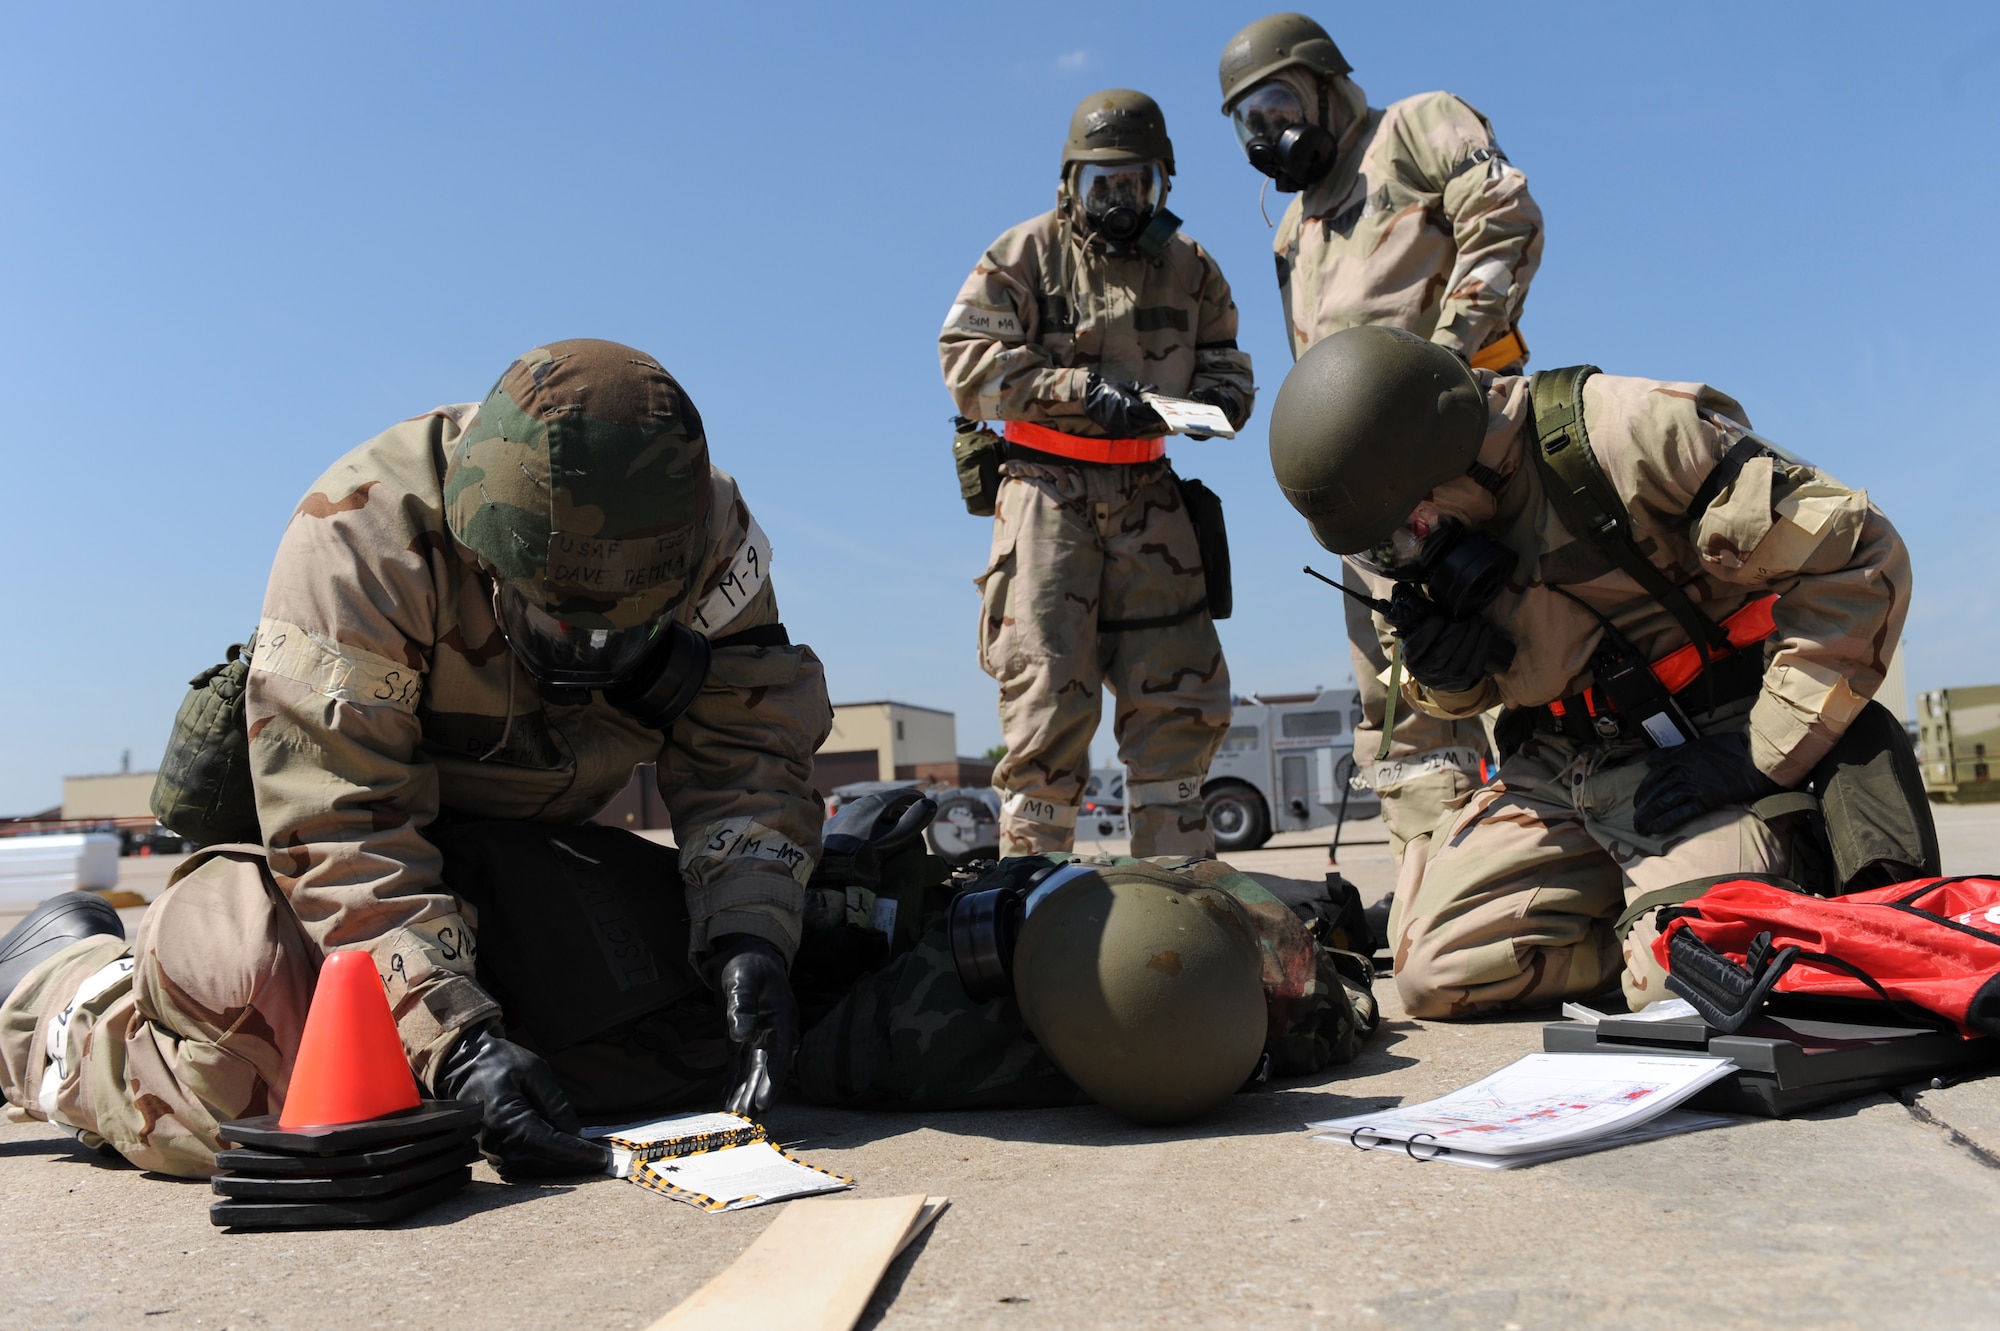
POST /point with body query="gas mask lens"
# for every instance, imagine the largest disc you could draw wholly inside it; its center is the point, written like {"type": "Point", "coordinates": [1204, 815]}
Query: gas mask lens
{"type": "Point", "coordinates": [1119, 198]}
{"type": "Point", "coordinates": [567, 655]}
{"type": "Point", "coordinates": [1265, 115]}
{"type": "Point", "coordinates": [1401, 555]}
{"type": "Point", "coordinates": [1461, 570]}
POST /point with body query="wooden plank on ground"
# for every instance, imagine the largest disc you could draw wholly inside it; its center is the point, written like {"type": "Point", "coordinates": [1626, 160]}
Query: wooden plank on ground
{"type": "Point", "coordinates": [812, 1269]}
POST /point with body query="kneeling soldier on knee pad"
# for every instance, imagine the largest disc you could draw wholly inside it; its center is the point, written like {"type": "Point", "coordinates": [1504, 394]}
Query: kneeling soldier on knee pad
{"type": "Point", "coordinates": [478, 624]}
{"type": "Point", "coordinates": [1681, 618]}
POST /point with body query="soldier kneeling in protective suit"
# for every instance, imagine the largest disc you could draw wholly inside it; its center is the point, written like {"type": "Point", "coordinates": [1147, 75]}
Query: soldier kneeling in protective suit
{"type": "Point", "coordinates": [478, 624]}
{"type": "Point", "coordinates": [1683, 621]}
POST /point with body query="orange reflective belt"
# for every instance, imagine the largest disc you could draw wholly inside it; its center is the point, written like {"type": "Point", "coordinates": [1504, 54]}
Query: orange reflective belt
{"type": "Point", "coordinates": [1499, 355]}
{"type": "Point", "coordinates": [1751, 624]}
{"type": "Point", "coordinates": [1044, 440]}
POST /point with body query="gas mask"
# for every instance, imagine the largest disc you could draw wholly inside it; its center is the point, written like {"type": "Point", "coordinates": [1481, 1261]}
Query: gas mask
{"type": "Point", "coordinates": [1461, 570]}
{"type": "Point", "coordinates": [1121, 202]}
{"type": "Point", "coordinates": [982, 928]}
{"type": "Point", "coordinates": [1271, 125]}
{"type": "Point", "coordinates": [651, 672]}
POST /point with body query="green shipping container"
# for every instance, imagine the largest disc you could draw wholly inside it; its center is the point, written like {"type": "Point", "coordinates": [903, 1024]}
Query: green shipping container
{"type": "Point", "coordinates": [1958, 732]}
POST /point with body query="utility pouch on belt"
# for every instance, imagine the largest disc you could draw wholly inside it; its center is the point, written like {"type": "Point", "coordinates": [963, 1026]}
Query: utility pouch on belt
{"type": "Point", "coordinates": [1638, 696]}
{"type": "Point", "coordinates": [579, 929]}
{"type": "Point", "coordinates": [1204, 509]}
{"type": "Point", "coordinates": [203, 791]}
{"type": "Point", "coordinates": [976, 450]}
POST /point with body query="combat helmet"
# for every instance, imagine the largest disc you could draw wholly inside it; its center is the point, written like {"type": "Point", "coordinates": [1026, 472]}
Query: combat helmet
{"type": "Point", "coordinates": [1272, 43]}
{"type": "Point", "coordinates": [1367, 423]}
{"type": "Point", "coordinates": [1118, 125]}
{"type": "Point", "coordinates": [1145, 989]}
{"type": "Point", "coordinates": [582, 487]}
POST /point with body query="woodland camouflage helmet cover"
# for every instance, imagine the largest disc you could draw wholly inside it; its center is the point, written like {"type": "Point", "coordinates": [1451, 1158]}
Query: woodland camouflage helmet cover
{"type": "Point", "coordinates": [583, 485]}
{"type": "Point", "coordinates": [1272, 43]}
{"type": "Point", "coordinates": [1145, 988]}
{"type": "Point", "coordinates": [1118, 125]}
{"type": "Point", "coordinates": [1367, 423]}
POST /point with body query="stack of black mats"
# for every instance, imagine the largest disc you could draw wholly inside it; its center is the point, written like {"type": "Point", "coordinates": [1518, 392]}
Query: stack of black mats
{"type": "Point", "coordinates": [368, 1173]}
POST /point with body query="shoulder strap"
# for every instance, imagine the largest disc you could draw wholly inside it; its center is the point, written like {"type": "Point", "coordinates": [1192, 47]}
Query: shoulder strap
{"type": "Point", "coordinates": [1590, 507]}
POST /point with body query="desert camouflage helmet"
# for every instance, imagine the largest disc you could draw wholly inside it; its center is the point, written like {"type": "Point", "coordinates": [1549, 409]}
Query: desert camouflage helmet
{"type": "Point", "coordinates": [1367, 423]}
{"type": "Point", "coordinates": [1145, 989]}
{"type": "Point", "coordinates": [1118, 125]}
{"type": "Point", "coordinates": [583, 484]}
{"type": "Point", "coordinates": [1272, 43]}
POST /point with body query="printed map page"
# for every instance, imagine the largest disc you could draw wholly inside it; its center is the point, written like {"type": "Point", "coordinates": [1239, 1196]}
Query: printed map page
{"type": "Point", "coordinates": [1544, 1100]}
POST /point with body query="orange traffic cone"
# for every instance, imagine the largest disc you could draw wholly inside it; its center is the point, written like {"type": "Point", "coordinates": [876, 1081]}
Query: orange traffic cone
{"type": "Point", "coordinates": [350, 1065]}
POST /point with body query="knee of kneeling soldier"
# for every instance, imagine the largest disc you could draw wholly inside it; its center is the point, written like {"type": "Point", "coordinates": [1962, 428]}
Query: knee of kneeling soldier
{"type": "Point", "coordinates": [1422, 996]}
{"type": "Point", "coordinates": [214, 943]}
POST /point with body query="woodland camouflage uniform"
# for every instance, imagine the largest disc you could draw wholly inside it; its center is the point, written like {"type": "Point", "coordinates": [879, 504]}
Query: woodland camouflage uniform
{"type": "Point", "coordinates": [384, 699]}
{"type": "Point", "coordinates": [1423, 225]}
{"type": "Point", "coordinates": [908, 1037]}
{"type": "Point", "coordinates": [1080, 546]}
{"type": "Point", "coordinates": [1523, 883]}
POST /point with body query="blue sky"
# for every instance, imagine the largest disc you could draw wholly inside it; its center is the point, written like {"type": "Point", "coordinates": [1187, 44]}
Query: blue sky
{"type": "Point", "coordinates": [238, 240]}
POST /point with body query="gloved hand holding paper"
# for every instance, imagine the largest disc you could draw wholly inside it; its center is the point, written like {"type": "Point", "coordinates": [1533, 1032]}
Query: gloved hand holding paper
{"type": "Point", "coordinates": [1186, 416]}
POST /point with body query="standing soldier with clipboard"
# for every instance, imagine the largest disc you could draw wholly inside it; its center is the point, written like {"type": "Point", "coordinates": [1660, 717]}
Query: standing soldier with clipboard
{"type": "Point", "coordinates": [1097, 576]}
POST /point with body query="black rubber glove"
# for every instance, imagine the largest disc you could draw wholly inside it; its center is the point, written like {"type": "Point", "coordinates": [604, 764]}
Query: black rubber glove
{"type": "Point", "coordinates": [530, 1128]}
{"type": "Point", "coordinates": [1120, 410]}
{"type": "Point", "coordinates": [1221, 399]}
{"type": "Point", "coordinates": [1442, 653]}
{"type": "Point", "coordinates": [760, 1018]}
{"type": "Point", "coordinates": [1689, 779]}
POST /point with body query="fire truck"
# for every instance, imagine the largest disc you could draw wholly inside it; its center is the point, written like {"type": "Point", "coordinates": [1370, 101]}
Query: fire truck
{"type": "Point", "coordinates": [1285, 766]}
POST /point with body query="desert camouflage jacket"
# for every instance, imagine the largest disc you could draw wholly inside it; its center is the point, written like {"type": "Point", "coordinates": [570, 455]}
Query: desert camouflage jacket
{"type": "Point", "coordinates": [1841, 572]}
{"type": "Point", "coordinates": [383, 695]}
{"type": "Point", "coordinates": [1046, 306]}
{"type": "Point", "coordinates": [1423, 225]}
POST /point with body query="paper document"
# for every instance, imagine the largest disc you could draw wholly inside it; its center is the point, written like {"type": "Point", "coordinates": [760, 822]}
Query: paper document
{"type": "Point", "coordinates": [1670, 1124]}
{"type": "Point", "coordinates": [1672, 1009]}
{"type": "Point", "coordinates": [677, 1134]}
{"type": "Point", "coordinates": [1541, 1102]}
{"type": "Point", "coordinates": [1183, 416]}
{"type": "Point", "coordinates": [718, 1162]}
{"type": "Point", "coordinates": [736, 1177]}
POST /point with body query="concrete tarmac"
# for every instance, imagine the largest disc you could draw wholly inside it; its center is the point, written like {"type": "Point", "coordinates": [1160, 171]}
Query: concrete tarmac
{"type": "Point", "coordinates": [1871, 1213]}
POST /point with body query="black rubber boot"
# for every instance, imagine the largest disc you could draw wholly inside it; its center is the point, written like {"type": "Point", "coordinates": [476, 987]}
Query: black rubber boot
{"type": "Point", "coordinates": [51, 927]}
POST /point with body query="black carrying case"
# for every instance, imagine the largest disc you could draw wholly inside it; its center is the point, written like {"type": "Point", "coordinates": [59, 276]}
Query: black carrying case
{"type": "Point", "coordinates": [1785, 1063]}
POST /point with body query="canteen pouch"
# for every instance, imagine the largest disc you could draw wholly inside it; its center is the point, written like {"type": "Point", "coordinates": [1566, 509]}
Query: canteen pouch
{"type": "Point", "coordinates": [203, 791]}
{"type": "Point", "coordinates": [976, 451]}
{"type": "Point", "coordinates": [1204, 509]}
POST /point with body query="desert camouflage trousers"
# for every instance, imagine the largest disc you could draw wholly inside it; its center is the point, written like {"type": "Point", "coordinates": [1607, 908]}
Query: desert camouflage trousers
{"type": "Point", "coordinates": [1523, 884]}
{"type": "Point", "coordinates": [1095, 580]}
{"type": "Point", "coordinates": [1432, 763]}
{"type": "Point", "coordinates": [146, 1047]}
{"type": "Point", "coordinates": [908, 1036]}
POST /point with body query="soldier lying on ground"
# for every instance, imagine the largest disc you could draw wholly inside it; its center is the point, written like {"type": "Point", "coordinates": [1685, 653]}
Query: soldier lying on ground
{"type": "Point", "coordinates": [1096, 577]}
{"type": "Point", "coordinates": [1560, 545]}
{"type": "Point", "coordinates": [1153, 985]}
{"type": "Point", "coordinates": [1409, 217]}
{"type": "Point", "coordinates": [478, 623]}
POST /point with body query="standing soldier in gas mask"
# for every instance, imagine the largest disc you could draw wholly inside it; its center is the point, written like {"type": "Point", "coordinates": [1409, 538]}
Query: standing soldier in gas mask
{"type": "Point", "coordinates": [1409, 217]}
{"type": "Point", "coordinates": [1095, 576]}
{"type": "Point", "coordinates": [478, 624]}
